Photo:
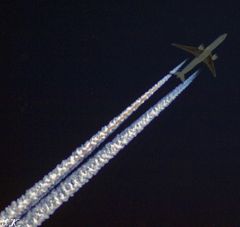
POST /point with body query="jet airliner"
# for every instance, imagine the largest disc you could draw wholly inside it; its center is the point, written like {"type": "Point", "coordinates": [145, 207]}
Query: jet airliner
{"type": "Point", "coordinates": [201, 55]}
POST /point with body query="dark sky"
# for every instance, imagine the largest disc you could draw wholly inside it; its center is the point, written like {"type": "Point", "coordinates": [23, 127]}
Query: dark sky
{"type": "Point", "coordinates": [68, 67]}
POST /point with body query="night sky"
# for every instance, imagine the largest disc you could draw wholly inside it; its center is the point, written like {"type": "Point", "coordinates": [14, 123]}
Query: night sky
{"type": "Point", "coordinates": [68, 67]}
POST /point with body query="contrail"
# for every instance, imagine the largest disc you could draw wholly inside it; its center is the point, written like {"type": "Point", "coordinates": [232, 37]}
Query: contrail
{"type": "Point", "coordinates": [86, 171]}
{"type": "Point", "coordinates": [19, 207]}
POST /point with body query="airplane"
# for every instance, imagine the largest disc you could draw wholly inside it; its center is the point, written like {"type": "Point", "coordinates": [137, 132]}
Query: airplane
{"type": "Point", "coordinates": [201, 55]}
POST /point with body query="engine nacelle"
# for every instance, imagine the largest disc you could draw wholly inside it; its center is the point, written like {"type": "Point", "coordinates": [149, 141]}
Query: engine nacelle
{"type": "Point", "coordinates": [214, 57]}
{"type": "Point", "coordinates": [201, 47]}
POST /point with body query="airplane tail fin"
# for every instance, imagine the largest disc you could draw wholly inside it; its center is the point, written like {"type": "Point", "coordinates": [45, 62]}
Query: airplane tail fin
{"type": "Point", "coordinates": [180, 76]}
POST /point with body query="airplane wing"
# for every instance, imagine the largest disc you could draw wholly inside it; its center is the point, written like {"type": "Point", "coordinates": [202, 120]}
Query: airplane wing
{"type": "Point", "coordinates": [209, 62]}
{"type": "Point", "coordinates": [193, 50]}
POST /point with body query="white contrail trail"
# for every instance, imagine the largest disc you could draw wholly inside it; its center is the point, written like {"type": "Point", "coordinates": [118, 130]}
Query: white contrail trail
{"type": "Point", "coordinates": [17, 208]}
{"type": "Point", "coordinates": [86, 171]}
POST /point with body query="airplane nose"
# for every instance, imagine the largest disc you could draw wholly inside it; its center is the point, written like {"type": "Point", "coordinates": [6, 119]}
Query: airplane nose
{"type": "Point", "coordinates": [224, 35]}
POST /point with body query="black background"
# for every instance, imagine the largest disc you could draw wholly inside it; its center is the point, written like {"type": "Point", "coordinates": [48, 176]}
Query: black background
{"type": "Point", "coordinates": [68, 67]}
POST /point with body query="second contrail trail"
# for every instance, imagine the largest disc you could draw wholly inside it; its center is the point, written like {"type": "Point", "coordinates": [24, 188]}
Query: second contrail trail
{"type": "Point", "coordinates": [85, 172]}
{"type": "Point", "coordinates": [19, 207]}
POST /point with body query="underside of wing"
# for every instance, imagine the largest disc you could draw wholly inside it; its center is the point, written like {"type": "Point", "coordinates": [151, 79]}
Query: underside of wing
{"type": "Point", "coordinates": [193, 50]}
{"type": "Point", "coordinates": [209, 62]}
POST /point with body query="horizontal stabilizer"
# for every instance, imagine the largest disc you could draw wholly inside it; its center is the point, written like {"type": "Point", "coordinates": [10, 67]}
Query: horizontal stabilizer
{"type": "Point", "coordinates": [180, 76]}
